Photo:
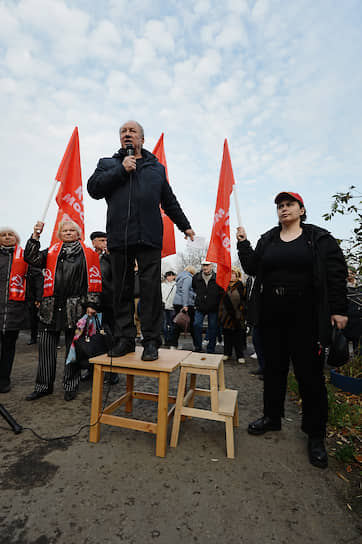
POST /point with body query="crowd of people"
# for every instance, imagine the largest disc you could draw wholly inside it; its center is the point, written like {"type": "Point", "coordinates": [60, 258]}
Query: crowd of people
{"type": "Point", "coordinates": [295, 293]}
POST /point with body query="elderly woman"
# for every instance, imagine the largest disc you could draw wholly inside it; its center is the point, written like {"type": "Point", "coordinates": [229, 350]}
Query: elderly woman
{"type": "Point", "coordinates": [232, 317]}
{"type": "Point", "coordinates": [72, 286]}
{"type": "Point", "coordinates": [298, 294]}
{"type": "Point", "coordinates": [13, 271]}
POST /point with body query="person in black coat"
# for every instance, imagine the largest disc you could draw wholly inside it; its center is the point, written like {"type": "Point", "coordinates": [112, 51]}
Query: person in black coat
{"type": "Point", "coordinates": [99, 243]}
{"type": "Point", "coordinates": [72, 287]}
{"type": "Point", "coordinates": [134, 185]}
{"type": "Point", "coordinates": [13, 288]}
{"type": "Point", "coordinates": [232, 317]}
{"type": "Point", "coordinates": [298, 294]}
{"type": "Point", "coordinates": [208, 295]}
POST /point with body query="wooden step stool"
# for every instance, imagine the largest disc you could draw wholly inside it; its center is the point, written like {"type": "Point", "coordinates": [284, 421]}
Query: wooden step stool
{"type": "Point", "coordinates": [224, 405]}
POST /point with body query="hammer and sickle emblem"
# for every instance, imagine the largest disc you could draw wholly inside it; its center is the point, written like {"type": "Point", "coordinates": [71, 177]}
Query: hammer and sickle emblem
{"type": "Point", "coordinates": [94, 272]}
{"type": "Point", "coordinates": [16, 281]}
{"type": "Point", "coordinates": [47, 275]}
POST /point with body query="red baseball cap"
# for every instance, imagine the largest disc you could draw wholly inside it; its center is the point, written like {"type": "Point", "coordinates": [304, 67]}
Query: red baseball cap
{"type": "Point", "coordinates": [287, 194]}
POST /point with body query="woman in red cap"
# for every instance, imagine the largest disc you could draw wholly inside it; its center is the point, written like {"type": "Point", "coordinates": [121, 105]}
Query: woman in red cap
{"type": "Point", "coordinates": [298, 294]}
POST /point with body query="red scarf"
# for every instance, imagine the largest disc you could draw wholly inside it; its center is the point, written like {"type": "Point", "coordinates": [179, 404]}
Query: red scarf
{"type": "Point", "coordinates": [93, 269]}
{"type": "Point", "coordinates": [17, 283]}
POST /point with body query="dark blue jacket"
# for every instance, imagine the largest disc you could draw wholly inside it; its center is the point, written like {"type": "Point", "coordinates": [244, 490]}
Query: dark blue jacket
{"type": "Point", "coordinates": [134, 215]}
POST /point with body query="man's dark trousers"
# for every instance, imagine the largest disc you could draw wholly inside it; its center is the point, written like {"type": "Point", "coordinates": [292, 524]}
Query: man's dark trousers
{"type": "Point", "coordinates": [149, 270]}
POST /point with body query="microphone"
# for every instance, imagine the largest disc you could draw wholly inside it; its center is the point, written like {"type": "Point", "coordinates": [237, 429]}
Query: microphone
{"type": "Point", "coordinates": [129, 150]}
{"type": "Point", "coordinates": [10, 420]}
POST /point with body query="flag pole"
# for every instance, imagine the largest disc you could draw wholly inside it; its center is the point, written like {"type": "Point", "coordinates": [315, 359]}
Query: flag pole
{"type": "Point", "coordinates": [49, 201]}
{"type": "Point", "coordinates": [237, 209]}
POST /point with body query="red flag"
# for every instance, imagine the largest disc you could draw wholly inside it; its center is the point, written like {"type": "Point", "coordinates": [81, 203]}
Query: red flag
{"type": "Point", "coordinates": [219, 249]}
{"type": "Point", "coordinates": [70, 193]}
{"type": "Point", "coordinates": [168, 246]}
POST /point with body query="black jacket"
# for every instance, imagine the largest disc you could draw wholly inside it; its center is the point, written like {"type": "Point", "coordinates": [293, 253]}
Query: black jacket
{"type": "Point", "coordinates": [207, 296]}
{"type": "Point", "coordinates": [71, 297]}
{"type": "Point", "coordinates": [133, 215]}
{"type": "Point", "coordinates": [329, 275]}
{"type": "Point", "coordinates": [12, 312]}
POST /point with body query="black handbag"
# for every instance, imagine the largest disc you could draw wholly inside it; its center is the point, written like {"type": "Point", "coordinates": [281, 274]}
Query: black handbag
{"type": "Point", "coordinates": [337, 352]}
{"type": "Point", "coordinates": [87, 346]}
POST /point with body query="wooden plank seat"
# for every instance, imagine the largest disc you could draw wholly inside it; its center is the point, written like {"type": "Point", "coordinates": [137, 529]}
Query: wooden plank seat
{"type": "Point", "coordinates": [223, 401]}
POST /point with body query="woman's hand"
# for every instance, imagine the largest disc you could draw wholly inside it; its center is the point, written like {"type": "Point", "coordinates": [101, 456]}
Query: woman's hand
{"type": "Point", "coordinates": [91, 311]}
{"type": "Point", "coordinates": [240, 234]}
{"type": "Point", "coordinates": [37, 304]}
{"type": "Point", "coordinates": [339, 320]}
{"type": "Point", "coordinates": [185, 309]}
{"type": "Point", "coordinates": [38, 229]}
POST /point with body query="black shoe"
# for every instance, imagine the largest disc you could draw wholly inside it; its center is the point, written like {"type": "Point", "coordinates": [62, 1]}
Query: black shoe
{"type": "Point", "coordinates": [39, 394]}
{"type": "Point", "coordinates": [32, 341]}
{"type": "Point", "coordinates": [111, 378]}
{"type": "Point", "coordinates": [150, 352]}
{"type": "Point", "coordinates": [122, 347]}
{"type": "Point", "coordinates": [5, 388]}
{"type": "Point", "coordinates": [197, 350]}
{"type": "Point", "coordinates": [318, 456]}
{"type": "Point", "coordinates": [70, 395]}
{"type": "Point", "coordinates": [87, 375]}
{"type": "Point", "coordinates": [264, 424]}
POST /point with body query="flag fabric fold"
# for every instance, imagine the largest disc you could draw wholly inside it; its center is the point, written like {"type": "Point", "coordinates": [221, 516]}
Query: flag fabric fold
{"type": "Point", "coordinates": [220, 248]}
{"type": "Point", "coordinates": [70, 193]}
{"type": "Point", "coordinates": [168, 245]}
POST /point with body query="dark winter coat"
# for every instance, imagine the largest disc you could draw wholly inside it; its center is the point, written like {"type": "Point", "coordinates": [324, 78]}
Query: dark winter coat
{"type": "Point", "coordinates": [133, 200]}
{"type": "Point", "coordinates": [329, 275]}
{"type": "Point", "coordinates": [207, 296]}
{"type": "Point", "coordinates": [232, 307]}
{"type": "Point", "coordinates": [71, 296]}
{"type": "Point", "coordinates": [12, 312]}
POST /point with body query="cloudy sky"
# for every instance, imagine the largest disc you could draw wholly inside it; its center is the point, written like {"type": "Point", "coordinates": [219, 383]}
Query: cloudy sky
{"type": "Point", "coordinates": [280, 80]}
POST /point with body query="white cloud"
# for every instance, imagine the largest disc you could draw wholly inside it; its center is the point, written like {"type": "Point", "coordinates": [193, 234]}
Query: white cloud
{"type": "Point", "coordinates": [279, 80]}
{"type": "Point", "coordinates": [260, 10]}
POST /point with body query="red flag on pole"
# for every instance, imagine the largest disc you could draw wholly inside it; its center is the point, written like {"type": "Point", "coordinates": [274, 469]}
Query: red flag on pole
{"type": "Point", "coordinates": [219, 248]}
{"type": "Point", "coordinates": [70, 193]}
{"type": "Point", "coordinates": [168, 246]}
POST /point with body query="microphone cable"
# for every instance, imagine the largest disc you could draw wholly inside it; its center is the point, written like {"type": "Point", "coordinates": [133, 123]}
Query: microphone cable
{"type": "Point", "coordinates": [18, 428]}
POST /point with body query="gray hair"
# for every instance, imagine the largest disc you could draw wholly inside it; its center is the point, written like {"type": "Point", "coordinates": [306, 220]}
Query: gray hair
{"type": "Point", "coordinates": [139, 126]}
{"type": "Point", "coordinates": [8, 229]}
{"type": "Point", "coordinates": [73, 223]}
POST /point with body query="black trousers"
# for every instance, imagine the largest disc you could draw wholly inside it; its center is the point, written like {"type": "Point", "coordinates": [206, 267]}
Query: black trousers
{"type": "Point", "coordinates": [234, 338]}
{"type": "Point", "coordinates": [176, 330]}
{"type": "Point", "coordinates": [289, 333]}
{"type": "Point", "coordinates": [8, 342]}
{"type": "Point", "coordinates": [34, 320]}
{"type": "Point", "coordinates": [149, 270]}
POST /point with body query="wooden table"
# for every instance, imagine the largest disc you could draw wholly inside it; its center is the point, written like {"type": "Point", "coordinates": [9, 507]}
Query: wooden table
{"type": "Point", "coordinates": [132, 365]}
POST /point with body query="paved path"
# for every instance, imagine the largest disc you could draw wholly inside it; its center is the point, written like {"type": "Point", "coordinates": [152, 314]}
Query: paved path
{"type": "Point", "coordinates": [71, 491]}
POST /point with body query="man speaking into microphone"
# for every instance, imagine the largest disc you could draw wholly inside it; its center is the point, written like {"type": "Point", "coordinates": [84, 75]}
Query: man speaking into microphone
{"type": "Point", "coordinates": [134, 185]}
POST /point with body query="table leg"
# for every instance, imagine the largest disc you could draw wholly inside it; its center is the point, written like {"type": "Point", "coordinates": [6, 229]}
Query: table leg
{"type": "Point", "coordinates": [129, 386]}
{"type": "Point", "coordinates": [162, 418]}
{"type": "Point", "coordinates": [97, 394]}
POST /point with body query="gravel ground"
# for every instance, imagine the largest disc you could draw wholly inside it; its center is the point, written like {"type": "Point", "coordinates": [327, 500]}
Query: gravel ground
{"type": "Point", "coordinates": [71, 491]}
